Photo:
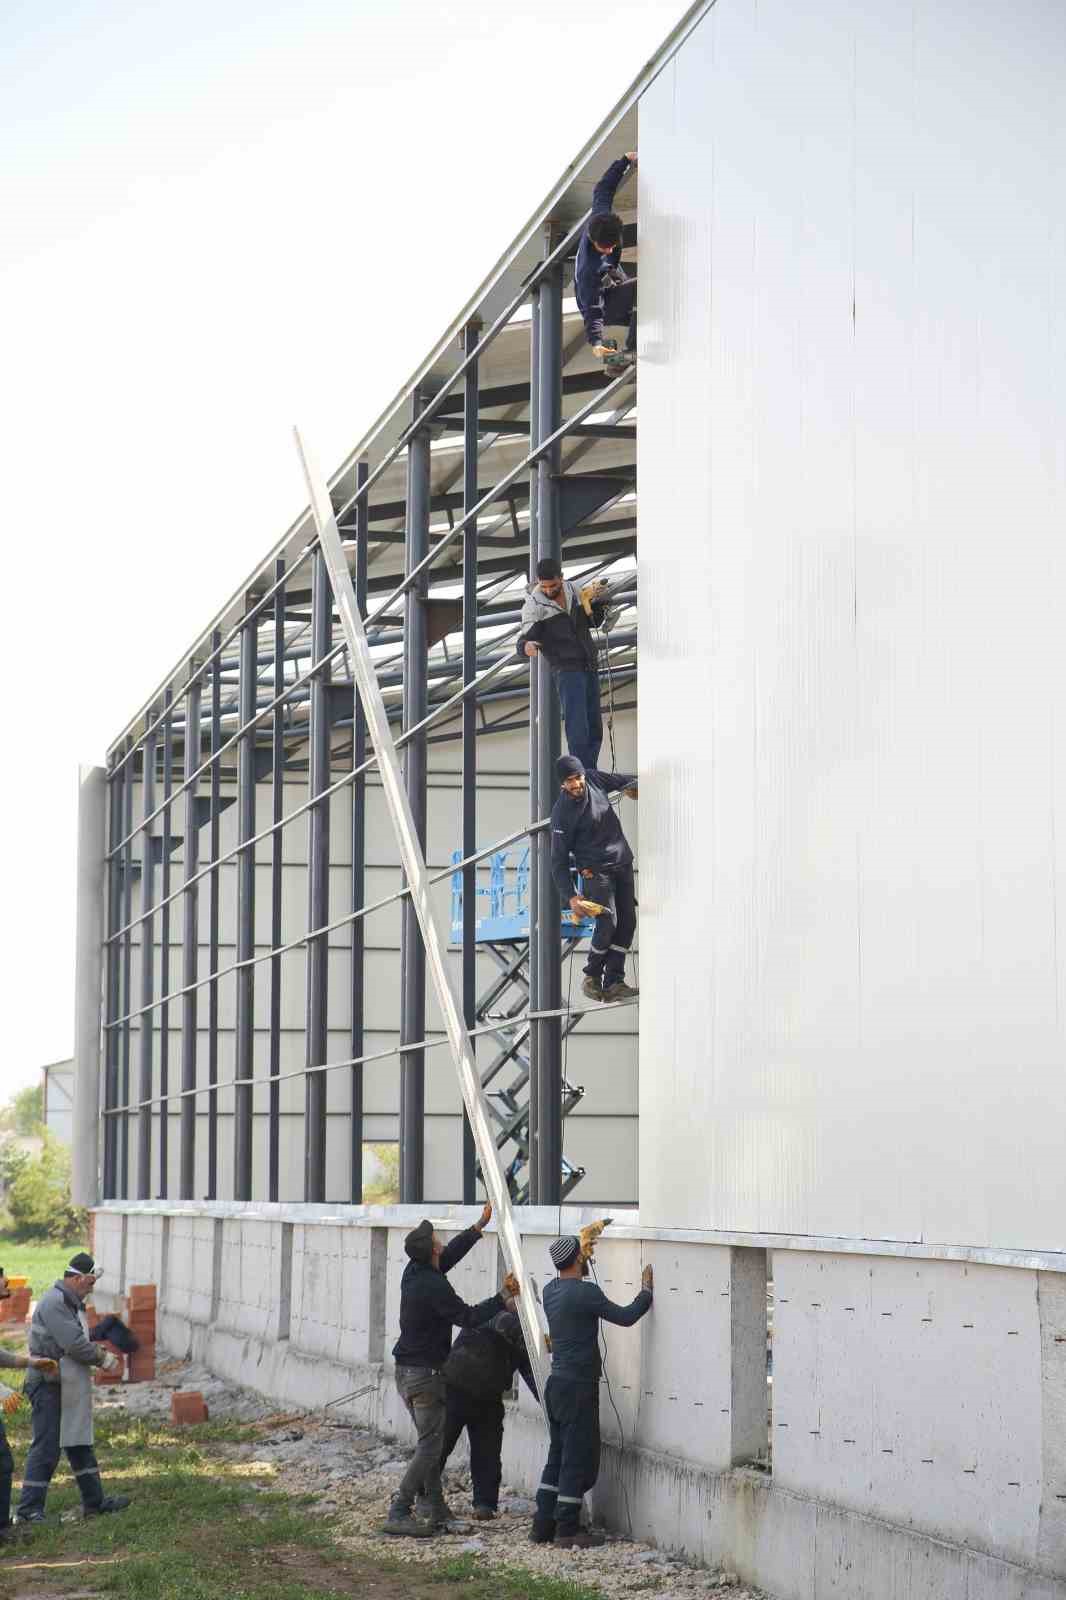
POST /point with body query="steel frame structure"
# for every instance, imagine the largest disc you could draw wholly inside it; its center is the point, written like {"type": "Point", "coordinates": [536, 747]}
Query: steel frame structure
{"type": "Point", "coordinates": [273, 696]}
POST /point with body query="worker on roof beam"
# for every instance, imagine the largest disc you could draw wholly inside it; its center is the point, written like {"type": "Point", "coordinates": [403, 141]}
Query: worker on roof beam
{"type": "Point", "coordinates": [587, 834]}
{"type": "Point", "coordinates": [558, 619]}
{"type": "Point", "coordinates": [605, 296]}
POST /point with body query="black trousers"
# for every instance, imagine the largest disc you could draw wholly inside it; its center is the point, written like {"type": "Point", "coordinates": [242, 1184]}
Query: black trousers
{"type": "Point", "coordinates": [41, 1463]}
{"type": "Point", "coordinates": [483, 1421]}
{"type": "Point", "coordinates": [620, 309]}
{"type": "Point", "coordinates": [7, 1472]}
{"type": "Point", "coordinates": [573, 1463]}
{"type": "Point", "coordinates": [616, 924]}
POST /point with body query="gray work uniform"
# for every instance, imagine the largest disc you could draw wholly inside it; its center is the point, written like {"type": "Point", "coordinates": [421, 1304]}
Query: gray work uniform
{"type": "Point", "coordinates": [63, 1406]}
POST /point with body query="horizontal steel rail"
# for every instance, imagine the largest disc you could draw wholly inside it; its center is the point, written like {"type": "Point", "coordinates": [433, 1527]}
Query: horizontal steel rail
{"type": "Point", "coordinates": [432, 1042]}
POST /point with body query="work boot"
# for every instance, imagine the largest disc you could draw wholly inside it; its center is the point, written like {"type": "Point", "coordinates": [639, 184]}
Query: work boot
{"type": "Point", "coordinates": [583, 1539]}
{"type": "Point", "coordinates": [7, 1533]}
{"type": "Point", "coordinates": [592, 987]}
{"type": "Point", "coordinates": [484, 1513]}
{"type": "Point", "coordinates": [438, 1514]}
{"type": "Point", "coordinates": [113, 1503]}
{"type": "Point", "coordinates": [402, 1524]}
{"type": "Point", "coordinates": [619, 361]}
{"type": "Point", "coordinates": [619, 990]}
{"type": "Point", "coordinates": [541, 1532]}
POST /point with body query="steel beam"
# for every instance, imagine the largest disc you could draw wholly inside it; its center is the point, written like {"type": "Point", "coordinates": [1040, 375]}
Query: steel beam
{"type": "Point", "coordinates": [127, 973]}
{"type": "Point", "coordinates": [358, 881]}
{"type": "Point", "coordinates": [317, 889]}
{"type": "Point", "coordinates": [146, 1030]}
{"type": "Point", "coordinates": [415, 706]}
{"type": "Point", "coordinates": [244, 1039]}
{"type": "Point", "coordinates": [545, 1090]}
{"type": "Point", "coordinates": [413, 862]}
{"type": "Point", "coordinates": [190, 945]}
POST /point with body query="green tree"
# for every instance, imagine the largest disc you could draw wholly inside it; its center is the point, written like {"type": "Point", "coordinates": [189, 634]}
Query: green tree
{"type": "Point", "coordinates": [24, 1112]}
{"type": "Point", "coordinates": [39, 1200]}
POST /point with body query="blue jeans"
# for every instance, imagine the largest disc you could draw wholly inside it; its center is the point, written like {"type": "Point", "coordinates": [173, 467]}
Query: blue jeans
{"type": "Point", "coordinates": [579, 696]}
{"type": "Point", "coordinates": [7, 1471]}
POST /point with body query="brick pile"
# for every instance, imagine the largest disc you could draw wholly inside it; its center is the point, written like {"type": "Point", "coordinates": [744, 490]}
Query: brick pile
{"type": "Point", "coordinates": [16, 1310]}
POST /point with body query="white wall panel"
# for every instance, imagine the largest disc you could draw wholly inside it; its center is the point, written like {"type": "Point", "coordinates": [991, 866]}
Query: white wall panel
{"type": "Point", "coordinates": [852, 686]}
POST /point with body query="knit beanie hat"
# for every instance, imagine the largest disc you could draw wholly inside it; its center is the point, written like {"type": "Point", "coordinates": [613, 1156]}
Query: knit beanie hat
{"type": "Point", "coordinates": [564, 1252]}
{"type": "Point", "coordinates": [419, 1243]}
{"type": "Point", "coordinates": [569, 767]}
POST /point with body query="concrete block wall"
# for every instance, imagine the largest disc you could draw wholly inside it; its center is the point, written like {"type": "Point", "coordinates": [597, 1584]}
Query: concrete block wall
{"type": "Point", "coordinates": [919, 1403]}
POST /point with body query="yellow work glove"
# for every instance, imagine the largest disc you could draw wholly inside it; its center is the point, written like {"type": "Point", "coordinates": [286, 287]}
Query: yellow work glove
{"type": "Point", "coordinates": [9, 1400]}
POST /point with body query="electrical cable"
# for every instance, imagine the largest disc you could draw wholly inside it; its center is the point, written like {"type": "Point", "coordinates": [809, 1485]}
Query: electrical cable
{"type": "Point", "coordinates": [614, 1408]}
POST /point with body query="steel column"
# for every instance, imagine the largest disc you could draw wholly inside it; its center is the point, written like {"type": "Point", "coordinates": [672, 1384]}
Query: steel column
{"type": "Point", "coordinates": [277, 878]}
{"type": "Point", "coordinates": [88, 988]}
{"type": "Point", "coordinates": [127, 969]}
{"type": "Point", "coordinates": [545, 1090]}
{"type": "Point", "coordinates": [112, 1036]}
{"type": "Point", "coordinates": [358, 883]}
{"type": "Point", "coordinates": [213, 920]}
{"type": "Point", "coordinates": [164, 944]}
{"type": "Point", "coordinates": [415, 707]}
{"type": "Point", "coordinates": [317, 888]}
{"type": "Point", "coordinates": [190, 942]}
{"type": "Point", "coordinates": [145, 1023]}
{"type": "Point", "coordinates": [471, 445]}
{"type": "Point", "coordinates": [244, 1041]}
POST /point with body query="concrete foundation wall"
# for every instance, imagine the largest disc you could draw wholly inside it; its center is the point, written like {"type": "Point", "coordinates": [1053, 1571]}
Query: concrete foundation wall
{"type": "Point", "coordinates": [918, 1418]}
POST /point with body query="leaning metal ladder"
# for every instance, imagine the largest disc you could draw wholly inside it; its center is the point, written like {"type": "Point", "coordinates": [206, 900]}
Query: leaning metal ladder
{"type": "Point", "coordinates": [414, 866]}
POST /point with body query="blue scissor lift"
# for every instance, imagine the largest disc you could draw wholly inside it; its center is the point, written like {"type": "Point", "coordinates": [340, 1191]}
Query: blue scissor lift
{"type": "Point", "coordinates": [503, 935]}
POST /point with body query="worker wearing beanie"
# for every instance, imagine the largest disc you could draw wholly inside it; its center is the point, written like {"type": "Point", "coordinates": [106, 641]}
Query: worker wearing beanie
{"type": "Point", "coordinates": [574, 1308]}
{"type": "Point", "coordinates": [429, 1309]}
{"type": "Point", "coordinates": [585, 827]}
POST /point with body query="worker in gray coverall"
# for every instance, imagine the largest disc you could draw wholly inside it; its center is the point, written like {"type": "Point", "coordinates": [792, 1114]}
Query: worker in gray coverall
{"type": "Point", "coordinates": [10, 1400]}
{"type": "Point", "coordinates": [63, 1405]}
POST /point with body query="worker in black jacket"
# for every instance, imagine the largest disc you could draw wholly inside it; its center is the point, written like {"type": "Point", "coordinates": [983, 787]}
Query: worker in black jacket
{"type": "Point", "coordinates": [555, 623]}
{"type": "Point", "coordinates": [587, 834]}
{"type": "Point", "coordinates": [429, 1309]}
{"type": "Point", "coordinates": [478, 1373]}
{"type": "Point", "coordinates": [603, 292]}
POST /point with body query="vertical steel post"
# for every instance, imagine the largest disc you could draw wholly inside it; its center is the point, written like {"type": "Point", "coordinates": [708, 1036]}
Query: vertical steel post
{"type": "Point", "coordinates": [190, 940]}
{"type": "Point", "coordinates": [317, 887]}
{"type": "Point", "coordinates": [471, 443]}
{"type": "Point", "coordinates": [545, 1088]}
{"type": "Point", "coordinates": [213, 919]}
{"type": "Point", "coordinates": [277, 880]}
{"type": "Point", "coordinates": [88, 986]}
{"type": "Point", "coordinates": [358, 884]}
{"type": "Point", "coordinates": [164, 948]}
{"type": "Point", "coordinates": [113, 1038]}
{"type": "Point", "coordinates": [146, 1020]}
{"type": "Point", "coordinates": [415, 705]}
{"type": "Point", "coordinates": [245, 974]}
{"type": "Point", "coordinates": [127, 968]}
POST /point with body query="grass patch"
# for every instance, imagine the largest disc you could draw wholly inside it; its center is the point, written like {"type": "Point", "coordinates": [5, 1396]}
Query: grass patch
{"type": "Point", "coordinates": [512, 1583]}
{"type": "Point", "coordinates": [201, 1528]}
{"type": "Point", "coordinates": [41, 1263]}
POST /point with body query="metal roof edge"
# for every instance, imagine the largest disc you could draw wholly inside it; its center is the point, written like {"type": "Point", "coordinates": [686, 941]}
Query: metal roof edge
{"type": "Point", "coordinates": [299, 531]}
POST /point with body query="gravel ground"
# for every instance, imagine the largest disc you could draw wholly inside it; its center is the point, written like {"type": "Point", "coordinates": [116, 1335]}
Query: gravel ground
{"type": "Point", "coordinates": [352, 1473]}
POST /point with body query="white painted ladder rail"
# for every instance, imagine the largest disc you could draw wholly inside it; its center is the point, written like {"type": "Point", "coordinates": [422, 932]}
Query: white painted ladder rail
{"type": "Point", "coordinates": [414, 865]}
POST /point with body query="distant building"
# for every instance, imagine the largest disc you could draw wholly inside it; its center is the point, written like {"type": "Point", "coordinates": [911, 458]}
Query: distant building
{"type": "Point", "coordinates": [59, 1100]}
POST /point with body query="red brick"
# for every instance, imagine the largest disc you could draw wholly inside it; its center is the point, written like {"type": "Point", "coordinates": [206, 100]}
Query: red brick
{"type": "Point", "coordinates": [187, 1406]}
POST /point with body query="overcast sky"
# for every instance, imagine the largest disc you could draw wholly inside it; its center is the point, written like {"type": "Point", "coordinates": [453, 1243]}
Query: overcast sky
{"type": "Point", "coordinates": [215, 221]}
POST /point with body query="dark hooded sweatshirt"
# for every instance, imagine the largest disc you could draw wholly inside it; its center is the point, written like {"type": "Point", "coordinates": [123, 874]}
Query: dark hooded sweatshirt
{"type": "Point", "coordinates": [430, 1307]}
{"type": "Point", "coordinates": [589, 829]}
